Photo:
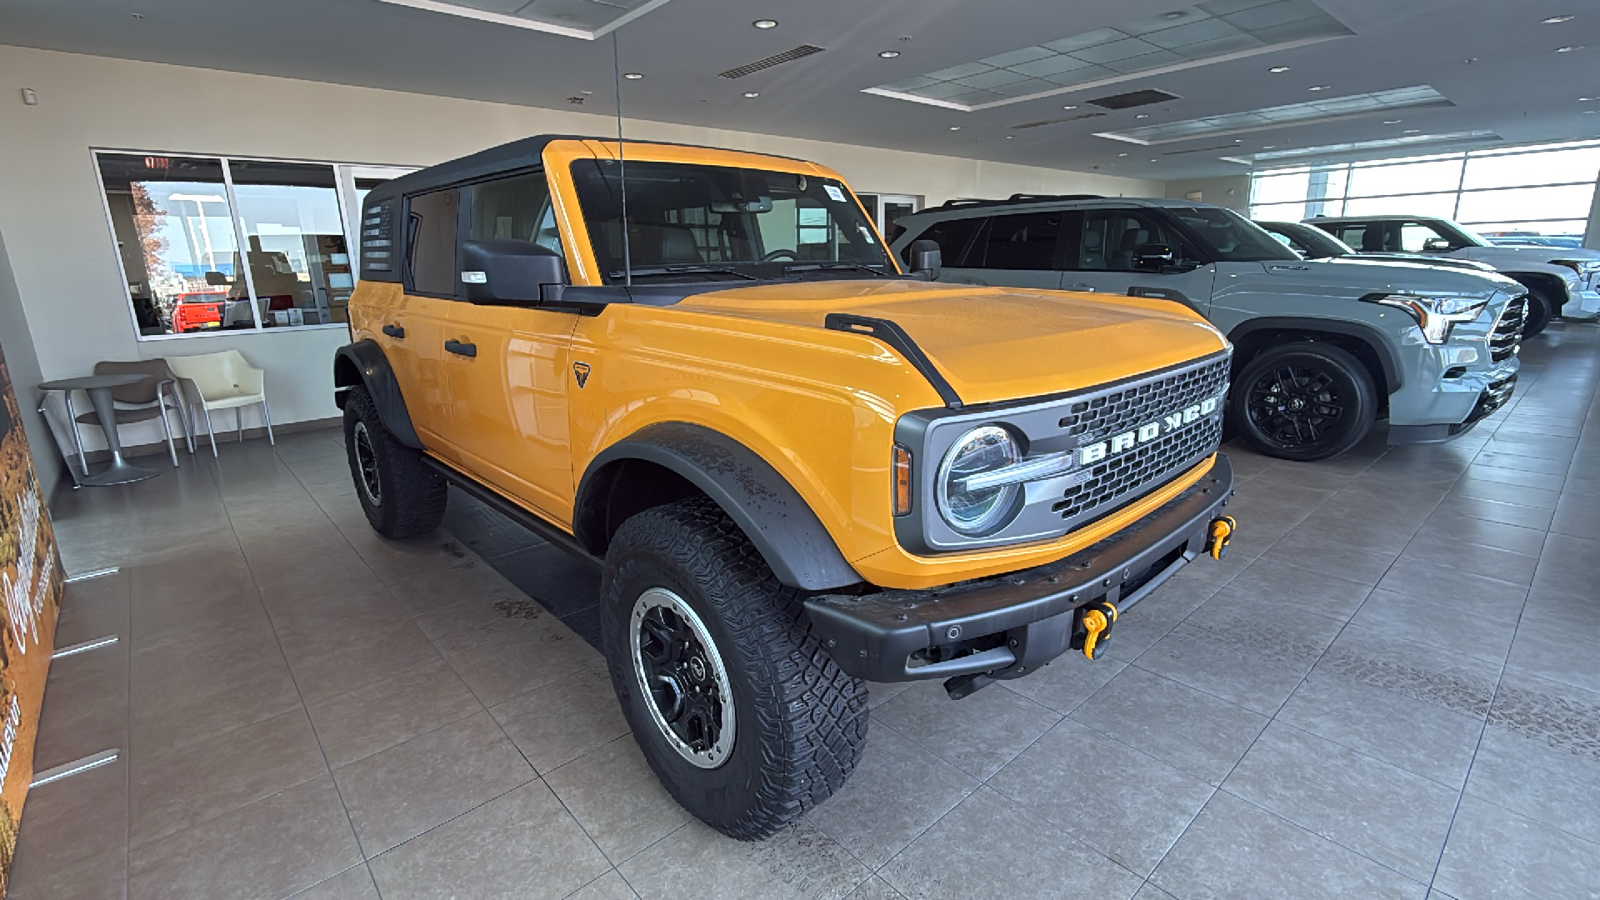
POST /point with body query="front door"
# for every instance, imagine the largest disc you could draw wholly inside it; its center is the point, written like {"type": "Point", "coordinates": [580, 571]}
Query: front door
{"type": "Point", "coordinates": [1014, 250]}
{"type": "Point", "coordinates": [1101, 259]}
{"type": "Point", "coordinates": [508, 367]}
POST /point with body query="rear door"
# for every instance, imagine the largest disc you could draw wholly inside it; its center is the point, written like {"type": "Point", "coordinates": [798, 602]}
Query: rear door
{"type": "Point", "coordinates": [508, 368]}
{"type": "Point", "coordinates": [414, 328]}
{"type": "Point", "coordinates": [1013, 249]}
{"type": "Point", "coordinates": [1101, 256]}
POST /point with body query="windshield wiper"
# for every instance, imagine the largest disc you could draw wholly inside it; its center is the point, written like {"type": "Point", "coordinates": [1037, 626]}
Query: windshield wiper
{"type": "Point", "coordinates": [691, 269]}
{"type": "Point", "coordinates": [826, 266]}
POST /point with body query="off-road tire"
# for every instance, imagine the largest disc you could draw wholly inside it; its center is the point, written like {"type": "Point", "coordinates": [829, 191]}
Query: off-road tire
{"type": "Point", "coordinates": [801, 721]}
{"type": "Point", "coordinates": [1540, 311]}
{"type": "Point", "coordinates": [1351, 385]}
{"type": "Point", "coordinates": [411, 497]}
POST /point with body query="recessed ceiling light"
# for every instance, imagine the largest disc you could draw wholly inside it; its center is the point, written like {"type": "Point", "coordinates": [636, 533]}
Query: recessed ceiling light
{"type": "Point", "coordinates": [632, 76]}
{"type": "Point", "coordinates": [1155, 160]}
{"type": "Point", "coordinates": [1319, 87]}
{"type": "Point", "coordinates": [1278, 69]}
{"type": "Point", "coordinates": [888, 54]}
{"type": "Point", "coordinates": [1590, 112]}
{"type": "Point", "coordinates": [1122, 154]}
{"type": "Point", "coordinates": [752, 94]}
{"type": "Point", "coordinates": [1392, 121]}
{"type": "Point", "coordinates": [1070, 106]}
{"type": "Point", "coordinates": [764, 24]}
{"type": "Point", "coordinates": [1412, 131]}
{"type": "Point", "coordinates": [1010, 137]}
{"type": "Point", "coordinates": [1587, 99]}
{"type": "Point", "coordinates": [1570, 48]}
{"type": "Point", "coordinates": [1238, 140]}
{"type": "Point", "coordinates": [1557, 20]}
{"type": "Point", "coordinates": [1142, 116]}
{"type": "Point", "coordinates": [955, 127]}
{"type": "Point", "coordinates": [1178, 14]}
{"type": "Point", "coordinates": [1268, 146]}
{"type": "Point", "coordinates": [138, 15]}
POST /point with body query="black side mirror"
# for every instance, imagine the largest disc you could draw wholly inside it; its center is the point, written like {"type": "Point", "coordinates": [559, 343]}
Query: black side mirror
{"type": "Point", "coordinates": [511, 273]}
{"type": "Point", "coordinates": [1154, 257]}
{"type": "Point", "coordinates": [926, 259]}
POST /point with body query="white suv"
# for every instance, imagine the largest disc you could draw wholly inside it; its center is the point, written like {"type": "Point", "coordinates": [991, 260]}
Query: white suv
{"type": "Point", "coordinates": [1561, 281]}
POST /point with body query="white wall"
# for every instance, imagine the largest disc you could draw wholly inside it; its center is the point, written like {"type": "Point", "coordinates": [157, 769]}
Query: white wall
{"type": "Point", "coordinates": [22, 362]}
{"type": "Point", "coordinates": [1215, 190]}
{"type": "Point", "coordinates": [65, 261]}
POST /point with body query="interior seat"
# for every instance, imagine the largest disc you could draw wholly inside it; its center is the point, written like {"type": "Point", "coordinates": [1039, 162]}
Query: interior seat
{"type": "Point", "coordinates": [1131, 239]}
{"type": "Point", "coordinates": [1372, 238]}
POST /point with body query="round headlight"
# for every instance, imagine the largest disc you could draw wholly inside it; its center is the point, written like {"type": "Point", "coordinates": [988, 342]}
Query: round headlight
{"type": "Point", "coordinates": [978, 512]}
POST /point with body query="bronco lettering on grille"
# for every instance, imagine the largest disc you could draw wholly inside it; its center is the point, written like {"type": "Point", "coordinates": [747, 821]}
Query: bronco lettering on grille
{"type": "Point", "coordinates": [1127, 440]}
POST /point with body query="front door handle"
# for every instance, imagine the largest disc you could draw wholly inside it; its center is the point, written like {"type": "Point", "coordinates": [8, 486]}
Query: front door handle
{"type": "Point", "coordinates": [461, 348]}
{"type": "Point", "coordinates": [394, 331]}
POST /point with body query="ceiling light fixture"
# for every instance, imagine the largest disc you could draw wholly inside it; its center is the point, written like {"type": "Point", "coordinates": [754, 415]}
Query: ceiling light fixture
{"type": "Point", "coordinates": [752, 94]}
{"type": "Point", "coordinates": [1392, 121]}
{"type": "Point", "coordinates": [1557, 20]}
{"type": "Point", "coordinates": [888, 54]}
{"type": "Point", "coordinates": [1278, 70]}
{"type": "Point", "coordinates": [1142, 116]}
{"type": "Point", "coordinates": [1122, 154]}
{"type": "Point", "coordinates": [1319, 87]}
{"type": "Point", "coordinates": [1155, 160]}
{"type": "Point", "coordinates": [955, 127]}
{"type": "Point", "coordinates": [1268, 146]}
{"type": "Point", "coordinates": [632, 76]}
{"type": "Point", "coordinates": [1011, 137]}
{"type": "Point", "coordinates": [1412, 131]}
{"type": "Point", "coordinates": [1569, 48]}
{"type": "Point", "coordinates": [1070, 106]}
{"type": "Point", "coordinates": [1587, 99]}
{"type": "Point", "coordinates": [764, 24]}
{"type": "Point", "coordinates": [1175, 14]}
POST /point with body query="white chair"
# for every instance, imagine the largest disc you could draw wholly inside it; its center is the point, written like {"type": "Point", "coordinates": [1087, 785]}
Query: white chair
{"type": "Point", "coordinates": [222, 380]}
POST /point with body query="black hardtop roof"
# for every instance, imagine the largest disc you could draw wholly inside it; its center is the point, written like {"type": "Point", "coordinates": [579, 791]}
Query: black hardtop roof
{"type": "Point", "coordinates": [508, 157]}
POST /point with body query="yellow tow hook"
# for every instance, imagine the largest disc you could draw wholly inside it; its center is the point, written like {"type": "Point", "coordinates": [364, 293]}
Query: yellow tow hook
{"type": "Point", "coordinates": [1222, 529]}
{"type": "Point", "coordinates": [1097, 620]}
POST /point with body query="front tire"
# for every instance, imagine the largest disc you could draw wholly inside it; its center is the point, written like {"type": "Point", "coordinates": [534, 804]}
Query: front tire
{"type": "Point", "coordinates": [1540, 311]}
{"type": "Point", "coordinates": [401, 496]}
{"type": "Point", "coordinates": [738, 709]}
{"type": "Point", "coordinates": [1303, 402]}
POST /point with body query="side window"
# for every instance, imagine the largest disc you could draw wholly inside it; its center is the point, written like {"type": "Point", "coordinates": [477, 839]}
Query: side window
{"type": "Point", "coordinates": [1024, 241]}
{"type": "Point", "coordinates": [431, 242]}
{"type": "Point", "coordinates": [514, 209]}
{"type": "Point", "coordinates": [1415, 238]}
{"type": "Point", "coordinates": [952, 236]}
{"type": "Point", "coordinates": [1369, 237]}
{"type": "Point", "coordinates": [1111, 235]}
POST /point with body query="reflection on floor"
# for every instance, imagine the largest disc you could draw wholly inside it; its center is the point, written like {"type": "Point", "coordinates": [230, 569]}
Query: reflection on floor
{"type": "Point", "coordinates": [1390, 687]}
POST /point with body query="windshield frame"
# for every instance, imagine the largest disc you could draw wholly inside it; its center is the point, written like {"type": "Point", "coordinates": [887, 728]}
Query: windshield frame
{"type": "Point", "coordinates": [1280, 251]}
{"type": "Point", "coordinates": [597, 181]}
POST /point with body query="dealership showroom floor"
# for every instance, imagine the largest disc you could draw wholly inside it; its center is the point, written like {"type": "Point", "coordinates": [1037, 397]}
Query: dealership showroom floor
{"type": "Point", "coordinates": [1389, 688]}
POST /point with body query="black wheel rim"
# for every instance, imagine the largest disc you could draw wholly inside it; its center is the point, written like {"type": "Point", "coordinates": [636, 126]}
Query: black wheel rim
{"type": "Point", "coordinates": [1300, 407]}
{"type": "Point", "coordinates": [367, 464]}
{"type": "Point", "coordinates": [682, 678]}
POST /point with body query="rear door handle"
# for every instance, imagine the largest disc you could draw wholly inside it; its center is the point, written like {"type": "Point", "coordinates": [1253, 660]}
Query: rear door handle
{"type": "Point", "coordinates": [460, 348]}
{"type": "Point", "coordinates": [394, 331]}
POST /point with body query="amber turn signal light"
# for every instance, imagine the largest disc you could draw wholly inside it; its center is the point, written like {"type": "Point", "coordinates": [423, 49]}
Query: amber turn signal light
{"type": "Point", "coordinates": [902, 481]}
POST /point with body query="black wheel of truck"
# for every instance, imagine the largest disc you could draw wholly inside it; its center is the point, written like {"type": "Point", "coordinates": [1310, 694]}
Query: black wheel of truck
{"type": "Point", "coordinates": [736, 705]}
{"type": "Point", "coordinates": [1540, 311]}
{"type": "Point", "coordinates": [1303, 402]}
{"type": "Point", "coordinates": [399, 493]}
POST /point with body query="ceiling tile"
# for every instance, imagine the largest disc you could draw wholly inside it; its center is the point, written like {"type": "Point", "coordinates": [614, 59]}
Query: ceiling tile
{"type": "Point", "coordinates": [1163, 20]}
{"type": "Point", "coordinates": [911, 84]}
{"type": "Point", "coordinates": [991, 79]}
{"type": "Point", "coordinates": [961, 71]}
{"type": "Point", "coordinates": [1026, 54]}
{"type": "Point", "coordinates": [942, 90]}
{"type": "Point", "coordinates": [1087, 39]}
{"type": "Point", "coordinates": [1147, 61]}
{"type": "Point", "coordinates": [973, 98]}
{"type": "Point", "coordinates": [1082, 76]}
{"type": "Point", "coordinates": [1279, 12]}
{"type": "Point", "coordinates": [1123, 49]}
{"type": "Point", "coordinates": [1193, 33]}
{"type": "Point", "coordinates": [1053, 65]}
{"type": "Point", "coordinates": [1024, 88]}
{"type": "Point", "coordinates": [1207, 49]}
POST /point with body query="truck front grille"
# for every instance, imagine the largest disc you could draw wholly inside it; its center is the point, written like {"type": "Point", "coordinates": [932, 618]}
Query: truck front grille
{"type": "Point", "coordinates": [1507, 333]}
{"type": "Point", "coordinates": [1130, 406]}
{"type": "Point", "coordinates": [1123, 479]}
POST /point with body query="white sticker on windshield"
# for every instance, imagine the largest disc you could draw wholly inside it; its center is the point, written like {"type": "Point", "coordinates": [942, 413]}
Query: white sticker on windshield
{"type": "Point", "coordinates": [833, 192]}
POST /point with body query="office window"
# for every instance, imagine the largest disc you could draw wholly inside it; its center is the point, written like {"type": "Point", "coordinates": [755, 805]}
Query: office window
{"type": "Point", "coordinates": [193, 233]}
{"type": "Point", "coordinates": [431, 242]}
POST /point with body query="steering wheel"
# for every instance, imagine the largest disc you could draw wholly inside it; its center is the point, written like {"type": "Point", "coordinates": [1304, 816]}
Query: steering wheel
{"type": "Point", "coordinates": [779, 254]}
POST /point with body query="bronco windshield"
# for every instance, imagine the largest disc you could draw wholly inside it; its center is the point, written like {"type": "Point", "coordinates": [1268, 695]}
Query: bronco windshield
{"type": "Point", "coordinates": [696, 223]}
{"type": "Point", "coordinates": [1227, 236]}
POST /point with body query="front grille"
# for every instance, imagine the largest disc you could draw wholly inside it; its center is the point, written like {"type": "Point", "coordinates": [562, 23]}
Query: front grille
{"type": "Point", "coordinates": [1126, 408]}
{"type": "Point", "coordinates": [1507, 334]}
{"type": "Point", "coordinates": [1493, 397]}
{"type": "Point", "coordinates": [1124, 478]}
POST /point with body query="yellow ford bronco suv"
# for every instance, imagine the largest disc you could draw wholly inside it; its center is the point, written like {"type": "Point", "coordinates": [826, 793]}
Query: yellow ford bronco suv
{"type": "Point", "coordinates": [799, 467]}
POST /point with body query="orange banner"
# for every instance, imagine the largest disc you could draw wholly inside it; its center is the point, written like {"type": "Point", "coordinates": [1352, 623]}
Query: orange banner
{"type": "Point", "coordinates": [30, 597]}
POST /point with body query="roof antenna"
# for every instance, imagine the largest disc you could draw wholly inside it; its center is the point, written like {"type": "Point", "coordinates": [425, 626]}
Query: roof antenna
{"type": "Point", "coordinates": [622, 160]}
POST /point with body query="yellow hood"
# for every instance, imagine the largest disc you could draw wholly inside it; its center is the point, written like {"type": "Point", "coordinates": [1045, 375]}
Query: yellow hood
{"type": "Point", "coordinates": [994, 344]}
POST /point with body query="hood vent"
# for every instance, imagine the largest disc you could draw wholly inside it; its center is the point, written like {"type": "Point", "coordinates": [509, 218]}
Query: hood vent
{"type": "Point", "coordinates": [778, 59]}
{"type": "Point", "coordinates": [1133, 99]}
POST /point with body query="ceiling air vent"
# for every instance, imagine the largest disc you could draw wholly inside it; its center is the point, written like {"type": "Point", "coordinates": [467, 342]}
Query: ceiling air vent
{"type": "Point", "coordinates": [1025, 125]}
{"type": "Point", "coordinates": [778, 59]}
{"type": "Point", "coordinates": [1132, 99]}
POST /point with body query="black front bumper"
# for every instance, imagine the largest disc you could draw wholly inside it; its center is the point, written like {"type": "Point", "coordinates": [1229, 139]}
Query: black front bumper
{"type": "Point", "coordinates": [1009, 625]}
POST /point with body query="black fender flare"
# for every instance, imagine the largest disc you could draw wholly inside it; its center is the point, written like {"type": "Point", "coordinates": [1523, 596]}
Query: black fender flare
{"type": "Point", "coordinates": [770, 512]}
{"type": "Point", "coordinates": [1393, 374]}
{"type": "Point", "coordinates": [364, 363]}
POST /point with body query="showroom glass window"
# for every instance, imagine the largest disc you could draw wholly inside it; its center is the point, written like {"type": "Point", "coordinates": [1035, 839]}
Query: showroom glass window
{"type": "Point", "coordinates": [211, 243]}
{"type": "Point", "coordinates": [1541, 192]}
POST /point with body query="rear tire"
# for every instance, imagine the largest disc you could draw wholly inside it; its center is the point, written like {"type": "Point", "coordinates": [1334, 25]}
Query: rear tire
{"type": "Point", "coordinates": [401, 496]}
{"type": "Point", "coordinates": [1303, 402]}
{"type": "Point", "coordinates": [1540, 311]}
{"type": "Point", "coordinates": [748, 722]}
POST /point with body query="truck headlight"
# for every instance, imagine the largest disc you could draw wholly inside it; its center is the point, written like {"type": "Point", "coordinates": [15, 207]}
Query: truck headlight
{"type": "Point", "coordinates": [1434, 315]}
{"type": "Point", "coordinates": [971, 511]}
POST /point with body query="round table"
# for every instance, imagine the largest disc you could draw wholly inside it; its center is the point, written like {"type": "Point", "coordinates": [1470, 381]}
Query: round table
{"type": "Point", "coordinates": [99, 389]}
